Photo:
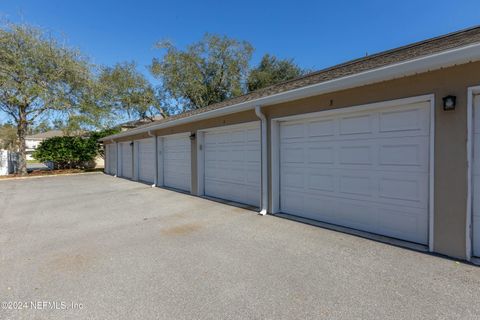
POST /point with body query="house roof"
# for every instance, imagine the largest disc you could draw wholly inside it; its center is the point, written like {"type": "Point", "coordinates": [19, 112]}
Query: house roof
{"type": "Point", "coordinates": [139, 122]}
{"type": "Point", "coordinates": [45, 135]}
{"type": "Point", "coordinates": [376, 61]}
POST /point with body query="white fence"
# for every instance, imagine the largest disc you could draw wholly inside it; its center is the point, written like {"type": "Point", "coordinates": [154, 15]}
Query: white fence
{"type": "Point", "coordinates": [8, 162]}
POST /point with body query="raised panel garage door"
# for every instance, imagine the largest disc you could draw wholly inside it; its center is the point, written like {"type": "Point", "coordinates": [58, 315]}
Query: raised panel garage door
{"type": "Point", "coordinates": [233, 163]}
{"type": "Point", "coordinates": [177, 172]}
{"type": "Point", "coordinates": [112, 158]}
{"type": "Point", "coordinates": [366, 170]}
{"type": "Point", "coordinates": [146, 160]}
{"type": "Point", "coordinates": [126, 160]}
{"type": "Point", "coordinates": [476, 177]}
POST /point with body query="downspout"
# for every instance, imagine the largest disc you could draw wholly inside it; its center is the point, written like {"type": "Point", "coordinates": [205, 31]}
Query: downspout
{"type": "Point", "coordinates": [263, 136]}
{"type": "Point", "coordinates": [133, 147]}
{"type": "Point", "coordinates": [155, 147]}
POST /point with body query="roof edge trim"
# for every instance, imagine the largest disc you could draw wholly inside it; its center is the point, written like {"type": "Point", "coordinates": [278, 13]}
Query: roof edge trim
{"type": "Point", "coordinates": [423, 64]}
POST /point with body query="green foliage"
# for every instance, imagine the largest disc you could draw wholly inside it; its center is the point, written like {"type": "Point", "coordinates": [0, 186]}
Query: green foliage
{"type": "Point", "coordinates": [8, 137]}
{"type": "Point", "coordinates": [96, 135]}
{"type": "Point", "coordinates": [271, 71]}
{"type": "Point", "coordinates": [122, 89]}
{"type": "Point", "coordinates": [38, 75]}
{"type": "Point", "coordinates": [72, 151]}
{"type": "Point", "coordinates": [67, 152]}
{"type": "Point", "coordinates": [42, 126]}
{"type": "Point", "coordinates": [206, 72]}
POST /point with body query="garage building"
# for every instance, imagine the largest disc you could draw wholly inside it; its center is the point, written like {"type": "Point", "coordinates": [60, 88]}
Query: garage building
{"type": "Point", "coordinates": [385, 146]}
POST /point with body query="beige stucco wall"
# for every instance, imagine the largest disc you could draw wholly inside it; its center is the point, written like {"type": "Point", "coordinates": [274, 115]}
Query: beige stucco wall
{"type": "Point", "coordinates": [450, 138]}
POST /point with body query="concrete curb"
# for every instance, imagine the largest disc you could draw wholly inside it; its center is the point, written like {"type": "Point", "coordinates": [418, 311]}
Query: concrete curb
{"type": "Point", "coordinates": [49, 176]}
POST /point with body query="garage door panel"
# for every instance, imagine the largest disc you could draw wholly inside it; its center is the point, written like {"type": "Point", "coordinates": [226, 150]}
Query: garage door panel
{"type": "Point", "coordinates": [174, 154]}
{"type": "Point", "coordinates": [253, 136]}
{"type": "Point", "coordinates": [253, 172]}
{"type": "Point", "coordinates": [177, 162]}
{"type": "Point", "coordinates": [403, 152]}
{"type": "Point", "coordinates": [356, 124]}
{"type": "Point", "coordinates": [398, 223]}
{"type": "Point", "coordinates": [415, 118]}
{"type": "Point", "coordinates": [231, 191]}
{"type": "Point", "coordinates": [237, 137]}
{"type": "Point", "coordinates": [393, 154]}
{"type": "Point", "coordinates": [226, 174]}
{"type": "Point", "coordinates": [293, 179]}
{"type": "Point", "coordinates": [232, 163]}
{"type": "Point", "coordinates": [126, 160]}
{"type": "Point", "coordinates": [214, 172]}
{"type": "Point", "coordinates": [355, 155]}
{"type": "Point", "coordinates": [177, 180]}
{"type": "Point", "coordinates": [320, 182]}
{"type": "Point", "coordinates": [320, 155]}
{"type": "Point", "coordinates": [292, 154]}
{"type": "Point", "coordinates": [383, 220]}
{"type": "Point", "coordinates": [406, 189]}
{"type": "Point", "coordinates": [356, 185]}
{"type": "Point", "coordinates": [321, 128]}
{"type": "Point", "coordinates": [401, 155]}
{"type": "Point", "coordinates": [403, 189]}
{"type": "Point", "coordinates": [368, 170]}
{"type": "Point", "coordinates": [292, 131]}
{"type": "Point", "coordinates": [146, 159]}
{"type": "Point", "coordinates": [236, 175]}
{"type": "Point", "coordinates": [407, 120]}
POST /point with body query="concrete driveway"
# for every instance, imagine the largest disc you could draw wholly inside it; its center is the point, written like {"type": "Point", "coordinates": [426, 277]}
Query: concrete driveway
{"type": "Point", "coordinates": [122, 250]}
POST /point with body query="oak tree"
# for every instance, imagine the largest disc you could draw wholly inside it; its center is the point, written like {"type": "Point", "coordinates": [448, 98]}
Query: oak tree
{"type": "Point", "coordinates": [38, 75]}
{"type": "Point", "coordinates": [208, 71]}
{"type": "Point", "coordinates": [272, 70]}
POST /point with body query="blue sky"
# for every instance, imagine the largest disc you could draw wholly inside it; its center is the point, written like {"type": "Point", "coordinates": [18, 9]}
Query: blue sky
{"type": "Point", "coordinates": [316, 34]}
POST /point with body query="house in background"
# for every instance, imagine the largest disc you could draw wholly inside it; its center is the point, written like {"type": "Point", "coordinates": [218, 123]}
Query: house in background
{"type": "Point", "coordinates": [33, 141]}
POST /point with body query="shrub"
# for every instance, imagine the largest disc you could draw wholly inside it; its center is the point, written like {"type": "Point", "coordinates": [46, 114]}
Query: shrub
{"type": "Point", "coordinates": [67, 152]}
{"type": "Point", "coordinates": [96, 135]}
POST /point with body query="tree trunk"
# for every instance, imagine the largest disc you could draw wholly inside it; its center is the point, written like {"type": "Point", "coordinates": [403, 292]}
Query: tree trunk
{"type": "Point", "coordinates": [22, 132]}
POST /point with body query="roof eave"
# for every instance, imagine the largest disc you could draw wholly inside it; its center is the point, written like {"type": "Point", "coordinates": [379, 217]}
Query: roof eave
{"type": "Point", "coordinates": [423, 64]}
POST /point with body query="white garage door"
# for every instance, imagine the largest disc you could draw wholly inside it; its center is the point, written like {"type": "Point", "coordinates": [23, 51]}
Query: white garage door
{"type": "Point", "coordinates": [365, 170]}
{"type": "Point", "coordinates": [233, 163]}
{"type": "Point", "coordinates": [476, 177]}
{"type": "Point", "coordinates": [112, 158]}
{"type": "Point", "coordinates": [126, 160]}
{"type": "Point", "coordinates": [177, 168]}
{"type": "Point", "coordinates": [146, 160]}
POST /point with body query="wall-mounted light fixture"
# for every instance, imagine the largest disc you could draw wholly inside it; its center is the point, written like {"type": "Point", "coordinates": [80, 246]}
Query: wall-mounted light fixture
{"type": "Point", "coordinates": [449, 102]}
{"type": "Point", "coordinates": [192, 136]}
{"type": "Point", "coordinates": [131, 144]}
